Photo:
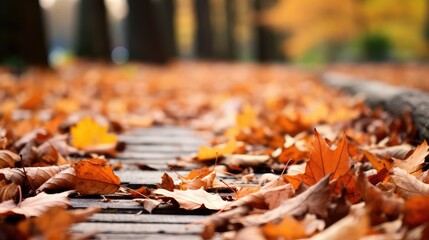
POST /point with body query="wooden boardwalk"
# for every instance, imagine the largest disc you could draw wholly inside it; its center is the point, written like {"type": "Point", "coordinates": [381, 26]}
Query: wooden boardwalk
{"type": "Point", "coordinates": [123, 218]}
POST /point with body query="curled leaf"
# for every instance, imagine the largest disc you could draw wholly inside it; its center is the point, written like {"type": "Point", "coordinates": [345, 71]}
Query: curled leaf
{"type": "Point", "coordinates": [194, 199]}
{"type": "Point", "coordinates": [8, 158]}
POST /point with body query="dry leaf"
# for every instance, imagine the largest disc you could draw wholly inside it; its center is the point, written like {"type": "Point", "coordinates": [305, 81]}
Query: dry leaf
{"type": "Point", "coordinates": [196, 179]}
{"type": "Point", "coordinates": [8, 159]}
{"type": "Point", "coordinates": [324, 161]}
{"type": "Point", "coordinates": [416, 211]}
{"type": "Point", "coordinates": [244, 160]}
{"type": "Point", "coordinates": [148, 204]}
{"type": "Point", "coordinates": [314, 200]}
{"type": "Point", "coordinates": [88, 135]}
{"type": "Point", "coordinates": [64, 180]}
{"type": "Point", "coordinates": [377, 163]}
{"type": "Point", "coordinates": [413, 162]}
{"type": "Point", "coordinates": [8, 191]}
{"type": "Point", "coordinates": [55, 222]}
{"type": "Point", "coordinates": [95, 178]}
{"type": "Point", "coordinates": [352, 227]}
{"type": "Point", "coordinates": [407, 185]}
{"type": "Point", "coordinates": [287, 228]}
{"type": "Point", "coordinates": [34, 206]}
{"type": "Point", "coordinates": [210, 153]}
{"type": "Point", "coordinates": [167, 182]}
{"type": "Point", "coordinates": [36, 175]}
{"type": "Point", "coordinates": [382, 205]}
{"type": "Point", "coordinates": [194, 199]}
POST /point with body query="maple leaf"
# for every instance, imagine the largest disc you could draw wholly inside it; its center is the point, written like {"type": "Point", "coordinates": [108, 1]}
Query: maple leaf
{"type": "Point", "coordinates": [94, 177]}
{"type": "Point", "coordinates": [408, 185]}
{"type": "Point", "coordinates": [8, 158]}
{"type": "Point", "coordinates": [416, 211]}
{"type": "Point", "coordinates": [314, 200]}
{"type": "Point", "coordinates": [34, 206]}
{"type": "Point", "coordinates": [88, 135]}
{"type": "Point", "coordinates": [209, 153]}
{"type": "Point", "coordinates": [324, 161]}
{"type": "Point", "coordinates": [194, 199]}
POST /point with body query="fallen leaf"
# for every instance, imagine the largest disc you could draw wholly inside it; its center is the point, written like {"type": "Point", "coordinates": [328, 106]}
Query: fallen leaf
{"type": "Point", "coordinates": [64, 180]}
{"type": "Point", "coordinates": [210, 153]}
{"type": "Point", "coordinates": [36, 175]}
{"type": "Point", "coordinates": [95, 178]}
{"type": "Point", "coordinates": [408, 185]}
{"type": "Point", "coordinates": [377, 163]}
{"type": "Point", "coordinates": [416, 211]}
{"type": "Point", "coordinates": [244, 160]}
{"type": "Point", "coordinates": [398, 152]}
{"type": "Point", "coordinates": [324, 161]}
{"type": "Point", "coordinates": [413, 162]}
{"type": "Point", "coordinates": [34, 206]}
{"type": "Point", "coordinates": [347, 182]}
{"type": "Point", "coordinates": [352, 227]}
{"type": "Point", "coordinates": [8, 191]}
{"type": "Point", "coordinates": [314, 200]}
{"type": "Point", "coordinates": [8, 158]}
{"type": "Point", "coordinates": [383, 206]}
{"type": "Point", "coordinates": [141, 192]}
{"type": "Point", "coordinates": [217, 222]}
{"type": "Point", "coordinates": [198, 178]}
{"type": "Point", "coordinates": [148, 204]}
{"type": "Point", "coordinates": [88, 135]}
{"type": "Point", "coordinates": [244, 234]}
{"type": "Point", "coordinates": [194, 199]}
{"type": "Point", "coordinates": [55, 222]}
{"type": "Point", "coordinates": [167, 182]}
{"type": "Point", "coordinates": [287, 228]}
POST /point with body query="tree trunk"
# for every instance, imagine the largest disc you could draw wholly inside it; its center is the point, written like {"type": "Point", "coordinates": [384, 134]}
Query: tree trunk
{"type": "Point", "coordinates": [93, 41]}
{"type": "Point", "coordinates": [22, 34]}
{"type": "Point", "coordinates": [204, 44]}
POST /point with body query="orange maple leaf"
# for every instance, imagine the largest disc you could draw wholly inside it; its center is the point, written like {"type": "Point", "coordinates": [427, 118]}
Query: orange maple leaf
{"type": "Point", "coordinates": [324, 161]}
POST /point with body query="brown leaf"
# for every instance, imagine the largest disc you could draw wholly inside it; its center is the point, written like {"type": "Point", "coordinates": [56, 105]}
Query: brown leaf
{"type": "Point", "coordinates": [36, 175]}
{"type": "Point", "coordinates": [413, 162]}
{"type": "Point", "coordinates": [64, 180]}
{"type": "Point", "coordinates": [95, 178]}
{"type": "Point", "coordinates": [47, 154]}
{"type": "Point", "coordinates": [167, 182]}
{"type": "Point", "coordinates": [347, 182]}
{"type": "Point", "coordinates": [399, 152]}
{"type": "Point", "coordinates": [8, 191]}
{"type": "Point", "coordinates": [194, 199]}
{"type": "Point", "coordinates": [141, 192]}
{"type": "Point", "coordinates": [8, 158]}
{"type": "Point", "coordinates": [148, 204]}
{"type": "Point", "coordinates": [377, 163]}
{"type": "Point", "coordinates": [324, 161]}
{"type": "Point", "coordinates": [416, 211]}
{"type": "Point", "coordinates": [28, 153]}
{"type": "Point", "coordinates": [407, 185]}
{"type": "Point", "coordinates": [55, 222]}
{"type": "Point", "coordinates": [34, 206]}
{"type": "Point", "coordinates": [313, 200]}
{"type": "Point", "coordinates": [382, 205]}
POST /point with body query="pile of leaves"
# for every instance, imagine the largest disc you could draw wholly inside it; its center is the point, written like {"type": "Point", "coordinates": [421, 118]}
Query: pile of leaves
{"type": "Point", "coordinates": [290, 158]}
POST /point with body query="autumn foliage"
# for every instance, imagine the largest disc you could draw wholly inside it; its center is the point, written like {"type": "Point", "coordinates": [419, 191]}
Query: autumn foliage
{"type": "Point", "coordinates": [292, 158]}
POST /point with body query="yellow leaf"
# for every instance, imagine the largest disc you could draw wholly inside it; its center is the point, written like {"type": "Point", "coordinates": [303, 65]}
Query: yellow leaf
{"type": "Point", "coordinates": [88, 133]}
{"type": "Point", "coordinates": [208, 153]}
{"type": "Point", "coordinates": [247, 118]}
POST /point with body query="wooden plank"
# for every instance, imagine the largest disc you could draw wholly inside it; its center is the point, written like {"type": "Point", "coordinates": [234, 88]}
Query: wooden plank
{"type": "Point", "coordinates": [156, 140]}
{"type": "Point", "coordinates": [140, 236]}
{"type": "Point", "coordinates": [145, 177]}
{"type": "Point", "coordinates": [145, 155]}
{"type": "Point", "coordinates": [161, 148]}
{"type": "Point", "coordinates": [171, 130]}
{"type": "Point", "coordinates": [145, 218]}
{"type": "Point", "coordinates": [138, 228]}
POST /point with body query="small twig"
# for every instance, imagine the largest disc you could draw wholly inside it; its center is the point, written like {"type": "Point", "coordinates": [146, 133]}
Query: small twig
{"type": "Point", "coordinates": [226, 184]}
{"type": "Point", "coordinates": [25, 174]}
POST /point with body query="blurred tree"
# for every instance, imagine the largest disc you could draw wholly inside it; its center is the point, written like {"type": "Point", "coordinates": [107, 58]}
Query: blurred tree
{"type": "Point", "coordinates": [92, 38]}
{"type": "Point", "coordinates": [204, 34]}
{"type": "Point", "coordinates": [22, 34]}
{"type": "Point", "coordinates": [150, 32]}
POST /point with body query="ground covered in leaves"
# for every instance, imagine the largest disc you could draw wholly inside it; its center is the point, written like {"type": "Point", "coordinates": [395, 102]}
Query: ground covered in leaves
{"type": "Point", "coordinates": [302, 160]}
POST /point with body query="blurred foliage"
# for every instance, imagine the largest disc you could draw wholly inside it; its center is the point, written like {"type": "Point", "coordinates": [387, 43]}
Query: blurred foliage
{"type": "Point", "coordinates": [383, 29]}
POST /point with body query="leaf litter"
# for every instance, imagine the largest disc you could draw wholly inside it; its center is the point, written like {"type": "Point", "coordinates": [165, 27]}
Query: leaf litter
{"type": "Point", "coordinates": [338, 169]}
